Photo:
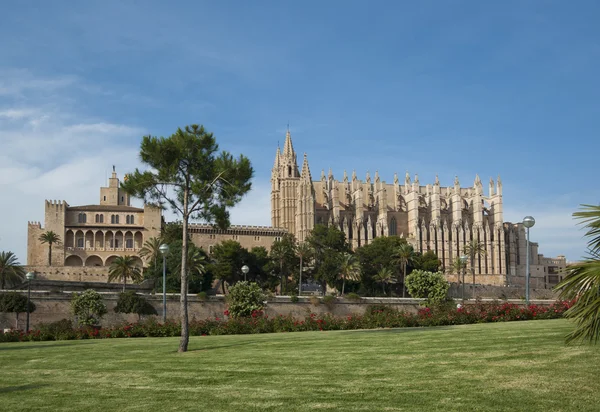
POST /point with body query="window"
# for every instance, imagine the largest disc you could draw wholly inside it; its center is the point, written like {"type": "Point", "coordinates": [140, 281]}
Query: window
{"type": "Point", "coordinates": [210, 248]}
{"type": "Point", "coordinates": [97, 218]}
{"type": "Point", "coordinates": [105, 198]}
{"type": "Point", "coordinates": [393, 226]}
{"type": "Point", "coordinates": [116, 243]}
{"type": "Point", "coordinates": [127, 219]}
{"type": "Point", "coordinates": [289, 171]}
{"type": "Point", "coordinates": [131, 219]}
{"type": "Point", "coordinates": [121, 198]}
{"type": "Point", "coordinates": [112, 219]}
{"type": "Point", "coordinates": [117, 219]}
{"type": "Point", "coordinates": [82, 218]}
{"type": "Point", "coordinates": [80, 242]}
{"type": "Point", "coordinates": [129, 243]}
{"type": "Point", "coordinates": [101, 218]}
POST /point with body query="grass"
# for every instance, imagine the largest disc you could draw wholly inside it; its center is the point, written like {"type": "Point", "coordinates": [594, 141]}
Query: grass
{"type": "Point", "coordinates": [515, 366]}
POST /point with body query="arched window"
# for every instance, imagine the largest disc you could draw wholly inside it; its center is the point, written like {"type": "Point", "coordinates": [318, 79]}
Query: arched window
{"type": "Point", "coordinates": [117, 219]}
{"type": "Point", "coordinates": [289, 171]}
{"type": "Point", "coordinates": [97, 218]}
{"type": "Point", "coordinates": [82, 218]}
{"type": "Point", "coordinates": [127, 219]}
{"type": "Point", "coordinates": [101, 218]}
{"type": "Point", "coordinates": [393, 226]}
{"type": "Point", "coordinates": [112, 219]}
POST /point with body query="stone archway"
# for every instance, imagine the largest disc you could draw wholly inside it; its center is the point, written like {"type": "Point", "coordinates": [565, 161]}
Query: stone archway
{"type": "Point", "coordinates": [73, 260]}
{"type": "Point", "coordinates": [110, 260]}
{"type": "Point", "coordinates": [94, 261]}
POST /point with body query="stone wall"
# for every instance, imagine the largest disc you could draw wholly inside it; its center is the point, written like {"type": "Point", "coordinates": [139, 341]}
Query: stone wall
{"type": "Point", "coordinates": [70, 273]}
{"type": "Point", "coordinates": [53, 306]}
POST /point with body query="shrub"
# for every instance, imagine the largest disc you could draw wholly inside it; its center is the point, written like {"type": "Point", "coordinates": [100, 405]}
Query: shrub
{"type": "Point", "coordinates": [315, 301]}
{"type": "Point", "coordinates": [131, 302]}
{"type": "Point", "coordinates": [329, 300]}
{"type": "Point", "coordinates": [88, 307]}
{"type": "Point", "coordinates": [353, 296]}
{"type": "Point", "coordinates": [294, 298]}
{"type": "Point", "coordinates": [202, 296]}
{"type": "Point", "coordinates": [13, 302]}
{"type": "Point", "coordinates": [245, 298]}
{"type": "Point", "coordinates": [432, 286]}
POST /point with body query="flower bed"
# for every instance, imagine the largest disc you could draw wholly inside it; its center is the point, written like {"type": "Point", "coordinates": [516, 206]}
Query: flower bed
{"type": "Point", "coordinates": [377, 316]}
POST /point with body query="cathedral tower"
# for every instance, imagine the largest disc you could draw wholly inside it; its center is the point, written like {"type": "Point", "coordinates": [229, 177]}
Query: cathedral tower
{"type": "Point", "coordinates": [285, 178]}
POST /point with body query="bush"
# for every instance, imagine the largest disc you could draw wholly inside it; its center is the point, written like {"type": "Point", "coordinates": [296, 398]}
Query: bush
{"type": "Point", "coordinates": [315, 301]}
{"type": "Point", "coordinates": [429, 285]}
{"type": "Point", "coordinates": [131, 302]}
{"type": "Point", "coordinates": [329, 301]}
{"type": "Point", "coordinates": [13, 302]}
{"type": "Point", "coordinates": [245, 298]}
{"type": "Point", "coordinates": [294, 298]}
{"type": "Point", "coordinates": [353, 296]}
{"type": "Point", "coordinates": [202, 296]}
{"type": "Point", "coordinates": [88, 307]}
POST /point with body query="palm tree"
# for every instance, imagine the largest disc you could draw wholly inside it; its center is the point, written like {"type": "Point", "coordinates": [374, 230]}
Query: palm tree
{"type": "Point", "coordinates": [349, 269]}
{"type": "Point", "coordinates": [50, 238]}
{"type": "Point", "coordinates": [150, 250]}
{"type": "Point", "coordinates": [458, 267]}
{"type": "Point", "coordinates": [304, 251]}
{"type": "Point", "coordinates": [472, 249]}
{"type": "Point", "coordinates": [196, 261]}
{"type": "Point", "coordinates": [124, 267]}
{"type": "Point", "coordinates": [385, 275]}
{"type": "Point", "coordinates": [582, 282]}
{"type": "Point", "coordinates": [404, 255]}
{"type": "Point", "coordinates": [11, 270]}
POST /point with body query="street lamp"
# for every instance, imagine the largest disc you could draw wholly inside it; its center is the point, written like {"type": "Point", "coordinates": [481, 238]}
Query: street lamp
{"type": "Point", "coordinates": [245, 270]}
{"type": "Point", "coordinates": [30, 276]}
{"type": "Point", "coordinates": [528, 222]}
{"type": "Point", "coordinates": [164, 249]}
{"type": "Point", "coordinates": [463, 262]}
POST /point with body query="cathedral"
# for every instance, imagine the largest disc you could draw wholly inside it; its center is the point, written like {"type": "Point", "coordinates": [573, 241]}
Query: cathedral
{"type": "Point", "coordinates": [430, 217]}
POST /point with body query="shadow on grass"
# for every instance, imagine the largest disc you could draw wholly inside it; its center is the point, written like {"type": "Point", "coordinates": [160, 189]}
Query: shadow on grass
{"type": "Point", "coordinates": [33, 346]}
{"type": "Point", "coordinates": [224, 346]}
{"type": "Point", "coordinates": [398, 330]}
{"type": "Point", "coordinates": [21, 388]}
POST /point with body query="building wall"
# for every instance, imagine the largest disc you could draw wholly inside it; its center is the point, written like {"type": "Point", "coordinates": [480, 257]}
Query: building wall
{"type": "Point", "coordinates": [206, 237]}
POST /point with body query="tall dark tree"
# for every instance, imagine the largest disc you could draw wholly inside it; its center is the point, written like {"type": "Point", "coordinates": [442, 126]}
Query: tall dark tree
{"type": "Point", "coordinates": [328, 243]}
{"type": "Point", "coordinates": [11, 271]}
{"type": "Point", "coordinates": [283, 253]}
{"type": "Point", "coordinates": [378, 254]}
{"type": "Point", "coordinates": [51, 238]}
{"type": "Point", "coordinates": [188, 174]}
{"type": "Point", "coordinates": [229, 257]}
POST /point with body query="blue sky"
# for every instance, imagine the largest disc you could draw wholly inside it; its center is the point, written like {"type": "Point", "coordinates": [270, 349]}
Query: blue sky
{"type": "Point", "coordinates": [448, 88]}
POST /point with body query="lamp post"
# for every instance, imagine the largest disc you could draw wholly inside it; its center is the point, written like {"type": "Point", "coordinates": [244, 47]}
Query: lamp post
{"type": "Point", "coordinates": [245, 270]}
{"type": "Point", "coordinates": [164, 249]}
{"type": "Point", "coordinates": [528, 222]}
{"type": "Point", "coordinates": [30, 276]}
{"type": "Point", "coordinates": [463, 261]}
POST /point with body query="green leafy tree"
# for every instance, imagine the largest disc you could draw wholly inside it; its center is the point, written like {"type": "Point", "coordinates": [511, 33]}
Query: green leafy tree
{"type": "Point", "coordinates": [245, 298]}
{"type": "Point", "coordinates": [261, 266]}
{"type": "Point", "coordinates": [283, 253]}
{"type": "Point", "coordinates": [11, 271]}
{"type": "Point", "coordinates": [427, 261]}
{"type": "Point", "coordinates": [188, 174]}
{"type": "Point", "coordinates": [123, 268]}
{"type": "Point", "coordinates": [376, 255]}
{"type": "Point", "coordinates": [458, 267]}
{"type": "Point", "coordinates": [349, 269]}
{"type": "Point", "coordinates": [229, 257]}
{"type": "Point", "coordinates": [474, 249]}
{"type": "Point", "coordinates": [429, 285]}
{"type": "Point", "coordinates": [328, 243]}
{"type": "Point", "coordinates": [13, 302]}
{"type": "Point", "coordinates": [582, 282]}
{"type": "Point", "coordinates": [88, 307]}
{"type": "Point", "coordinates": [385, 276]}
{"type": "Point", "coordinates": [405, 254]}
{"type": "Point", "coordinates": [131, 302]}
{"type": "Point", "coordinates": [50, 238]}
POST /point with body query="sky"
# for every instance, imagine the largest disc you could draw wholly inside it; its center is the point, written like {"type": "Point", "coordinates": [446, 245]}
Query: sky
{"type": "Point", "coordinates": [453, 88]}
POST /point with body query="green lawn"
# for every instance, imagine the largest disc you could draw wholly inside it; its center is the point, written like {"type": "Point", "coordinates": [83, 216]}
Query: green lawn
{"type": "Point", "coordinates": [516, 366]}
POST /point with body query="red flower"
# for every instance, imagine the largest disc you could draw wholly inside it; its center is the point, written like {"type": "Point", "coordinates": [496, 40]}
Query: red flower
{"type": "Point", "coordinates": [226, 313]}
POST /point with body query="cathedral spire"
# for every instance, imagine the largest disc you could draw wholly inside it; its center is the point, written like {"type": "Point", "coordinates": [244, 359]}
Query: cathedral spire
{"type": "Point", "coordinates": [277, 155]}
{"type": "Point", "coordinates": [305, 170]}
{"type": "Point", "coordinates": [288, 148]}
{"type": "Point", "coordinates": [345, 176]}
{"type": "Point", "coordinates": [437, 180]}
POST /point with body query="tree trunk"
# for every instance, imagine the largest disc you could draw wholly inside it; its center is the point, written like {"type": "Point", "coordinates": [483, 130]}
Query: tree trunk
{"type": "Point", "coordinates": [185, 334]}
{"type": "Point", "coordinates": [343, 284]}
{"type": "Point", "coordinates": [404, 280]}
{"type": "Point", "coordinates": [17, 322]}
{"type": "Point", "coordinates": [124, 282]}
{"type": "Point", "coordinates": [300, 278]}
{"type": "Point", "coordinates": [49, 254]}
{"type": "Point", "coordinates": [282, 289]}
{"type": "Point", "coordinates": [383, 287]}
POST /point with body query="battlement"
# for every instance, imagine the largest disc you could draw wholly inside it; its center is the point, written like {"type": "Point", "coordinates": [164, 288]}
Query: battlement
{"type": "Point", "coordinates": [237, 230]}
{"type": "Point", "coordinates": [36, 225]}
{"type": "Point", "coordinates": [57, 203]}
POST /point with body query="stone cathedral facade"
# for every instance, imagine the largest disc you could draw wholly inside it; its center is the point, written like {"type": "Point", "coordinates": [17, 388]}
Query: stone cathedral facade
{"type": "Point", "coordinates": [430, 217]}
